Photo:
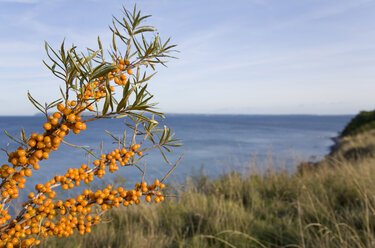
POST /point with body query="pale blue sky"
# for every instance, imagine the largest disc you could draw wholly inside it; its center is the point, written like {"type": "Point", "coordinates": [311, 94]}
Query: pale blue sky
{"type": "Point", "coordinates": [248, 57]}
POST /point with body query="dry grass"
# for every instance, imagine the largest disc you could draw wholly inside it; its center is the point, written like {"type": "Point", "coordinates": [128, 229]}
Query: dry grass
{"type": "Point", "coordinates": [327, 206]}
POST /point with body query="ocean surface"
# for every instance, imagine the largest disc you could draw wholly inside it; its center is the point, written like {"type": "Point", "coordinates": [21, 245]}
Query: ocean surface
{"type": "Point", "coordinates": [213, 143]}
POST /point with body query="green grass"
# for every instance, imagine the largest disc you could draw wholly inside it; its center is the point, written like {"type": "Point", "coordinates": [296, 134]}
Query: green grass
{"type": "Point", "coordinates": [331, 205]}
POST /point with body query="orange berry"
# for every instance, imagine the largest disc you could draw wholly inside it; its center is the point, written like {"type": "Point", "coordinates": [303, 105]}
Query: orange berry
{"type": "Point", "coordinates": [23, 160]}
{"type": "Point", "coordinates": [39, 137]}
{"type": "Point", "coordinates": [66, 111]}
{"type": "Point", "coordinates": [57, 115]}
{"type": "Point", "coordinates": [45, 155]}
{"type": "Point", "coordinates": [71, 117]}
{"type": "Point", "coordinates": [60, 107]}
{"type": "Point", "coordinates": [136, 146]}
{"type": "Point", "coordinates": [38, 153]}
{"type": "Point", "coordinates": [14, 161]}
{"type": "Point", "coordinates": [47, 139]}
{"type": "Point", "coordinates": [130, 72]}
{"type": "Point", "coordinates": [32, 142]}
{"type": "Point", "coordinates": [55, 121]}
{"type": "Point", "coordinates": [21, 153]}
{"type": "Point", "coordinates": [56, 140]}
{"type": "Point", "coordinates": [64, 128]}
{"type": "Point", "coordinates": [78, 125]}
{"type": "Point", "coordinates": [127, 62]}
{"type": "Point", "coordinates": [121, 61]}
{"type": "Point", "coordinates": [40, 145]}
{"type": "Point", "coordinates": [47, 126]}
{"type": "Point", "coordinates": [28, 172]}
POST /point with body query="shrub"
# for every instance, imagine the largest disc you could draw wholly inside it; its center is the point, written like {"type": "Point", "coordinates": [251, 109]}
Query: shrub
{"type": "Point", "coordinates": [362, 122]}
{"type": "Point", "coordinates": [90, 91]}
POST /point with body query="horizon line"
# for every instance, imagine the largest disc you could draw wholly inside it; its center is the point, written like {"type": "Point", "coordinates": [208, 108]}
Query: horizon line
{"type": "Point", "coordinates": [248, 114]}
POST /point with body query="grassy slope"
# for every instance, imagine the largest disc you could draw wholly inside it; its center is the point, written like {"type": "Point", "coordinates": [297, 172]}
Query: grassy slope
{"type": "Point", "coordinates": [329, 205]}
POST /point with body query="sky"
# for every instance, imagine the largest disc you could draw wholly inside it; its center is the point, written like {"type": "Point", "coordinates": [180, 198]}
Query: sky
{"type": "Point", "coordinates": [235, 57]}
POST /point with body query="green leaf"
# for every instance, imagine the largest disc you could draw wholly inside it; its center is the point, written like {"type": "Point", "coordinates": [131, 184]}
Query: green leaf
{"type": "Point", "coordinates": [114, 42]}
{"type": "Point", "coordinates": [114, 137]}
{"type": "Point", "coordinates": [36, 103]}
{"type": "Point", "coordinates": [106, 104]}
{"type": "Point", "coordinates": [163, 136]}
{"type": "Point", "coordinates": [62, 93]}
{"type": "Point", "coordinates": [144, 30]}
{"type": "Point", "coordinates": [165, 157]}
{"type": "Point", "coordinates": [109, 92]}
{"type": "Point", "coordinates": [19, 142]}
{"type": "Point", "coordinates": [47, 48]}
{"type": "Point", "coordinates": [62, 52]}
{"type": "Point", "coordinates": [100, 46]}
{"type": "Point", "coordinates": [23, 136]}
{"type": "Point", "coordinates": [122, 103]}
{"type": "Point", "coordinates": [72, 59]}
{"type": "Point", "coordinates": [101, 71]}
{"type": "Point", "coordinates": [54, 103]}
{"type": "Point", "coordinates": [142, 117]}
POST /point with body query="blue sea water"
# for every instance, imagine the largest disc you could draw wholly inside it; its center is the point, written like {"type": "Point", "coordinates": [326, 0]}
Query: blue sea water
{"type": "Point", "coordinates": [218, 142]}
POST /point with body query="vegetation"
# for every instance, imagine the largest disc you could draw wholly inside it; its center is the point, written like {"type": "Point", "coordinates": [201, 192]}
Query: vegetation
{"type": "Point", "coordinates": [327, 206]}
{"type": "Point", "coordinates": [362, 122]}
{"type": "Point", "coordinates": [330, 204]}
{"type": "Point", "coordinates": [92, 89]}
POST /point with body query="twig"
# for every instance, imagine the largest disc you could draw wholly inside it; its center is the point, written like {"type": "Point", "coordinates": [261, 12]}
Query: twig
{"type": "Point", "coordinates": [174, 166]}
{"type": "Point", "coordinates": [66, 143]}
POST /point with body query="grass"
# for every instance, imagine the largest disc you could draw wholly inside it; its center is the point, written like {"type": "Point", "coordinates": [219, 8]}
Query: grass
{"type": "Point", "coordinates": [330, 205]}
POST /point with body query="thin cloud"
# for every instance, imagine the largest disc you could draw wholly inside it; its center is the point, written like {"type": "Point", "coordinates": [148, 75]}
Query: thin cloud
{"type": "Point", "coordinates": [20, 1]}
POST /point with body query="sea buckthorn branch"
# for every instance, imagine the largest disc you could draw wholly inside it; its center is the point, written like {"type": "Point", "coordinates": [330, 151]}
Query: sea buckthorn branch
{"type": "Point", "coordinates": [67, 183]}
{"type": "Point", "coordinates": [110, 160]}
{"type": "Point", "coordinates": [68, 210]}
{"type": "Point", "coordinates": [38, 148]}
{"type": "Point", "coordinates": [94, 82]}
{"type": "Point", "coordinates": [145, 51]}
{"type": "Point", "coordinates": [69, 69]}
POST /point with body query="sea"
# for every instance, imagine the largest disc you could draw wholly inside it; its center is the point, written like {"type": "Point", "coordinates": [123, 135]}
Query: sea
{"type": "Point", "coordinates": [213, 144]}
